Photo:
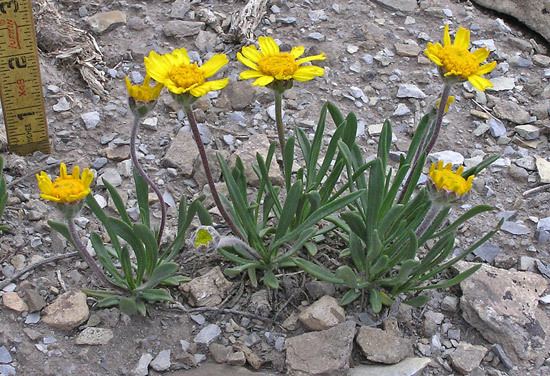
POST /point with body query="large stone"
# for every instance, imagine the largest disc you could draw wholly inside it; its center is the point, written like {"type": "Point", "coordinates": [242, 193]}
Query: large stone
{"type": "Point", "coordinates": [182, 152]}
{"type": "Point", "coordinates": [322, 314]}
{"type": "Point", "coordinates": [239, 94]}
{"type": "Point", "coordinates": [11, 300]}
{"type": "Point", "coordinates": [407, 367]}
{"type": "Point", "coordinates": [94, 336]}
{"type": "Point", "coordinates": [326, 352]}
{"type": "Point", "coordinates": [535, 14]}
{"type": "Point", "coordinates": [68, 311]}
{"type": "Point", "coordinates": [181, 29]}
{"type": "Point", "coordinates": [402, 5]}
{"type": "Point", "coordinates": [410, 91]}
{"type": "Point", "coordinates": [257, 144]}
{"type": "Point", "coordinates": [105, 21]}
{"type": "Point", "coordinates": [466, 357]}
{"type": "Point", "coordinates": [511, 111]}
{"type": "Point", "coordinates": [208, 290]}
{"type": "Point", "coordinates": [543, 169]}
{"type": "Point", "coordinates": [502, 306]}
{"type": "Point", "coordinates": [381, 346]}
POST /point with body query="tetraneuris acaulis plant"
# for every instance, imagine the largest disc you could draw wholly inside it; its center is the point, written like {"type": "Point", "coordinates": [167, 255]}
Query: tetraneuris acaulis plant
{"type": "Point", "coordinates": [389, 227]}
{"type": "Point", "coordinates": [278, 226]}
{"type": "Point", "coordinates": [134, 261]}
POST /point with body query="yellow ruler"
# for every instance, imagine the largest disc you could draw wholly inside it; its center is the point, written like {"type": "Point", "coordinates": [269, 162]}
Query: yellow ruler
{"type": "Point", "coordinates": [20, 83]}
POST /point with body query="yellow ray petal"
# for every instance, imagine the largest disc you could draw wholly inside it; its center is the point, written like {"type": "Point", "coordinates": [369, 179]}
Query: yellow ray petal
{"type": "Point", "coordinates": [308, 73]}
{"type": "Point", "coordinates": [446, 36]}
{"type": "Point", "coordinates": [180, 56]}
{"type": "Point", "coordinates": [76, 172]}
{"type": "Point", "coordinates": [487, 68]}
{"type": "Point", "coordinates": [480, 83]}
{"type": "Point", "coordinates": [321, 56]}
{"type": "Point", "coordinates": [481, 54]}
{"type": "Point", "coordinates": [63, 170]}
{"type": "Point", "coordinates": [248, 74]}
{"type": "Point", "coordinates": [297, 51]}
{"type": "Point", "coordinates": [200, 90]}
{"type": "Point", "coordinates": [246, 62]}
{"type": "Point", "coordinates": [212, 66]}
{"type": "Point", "coordinates": [462, 38]}
{"type": "Point", "coordinates": [268, 46]}
{"type": "Point", "coordinates": [251, 53]}
{"type": "Point", "coordinates": [263, 81]}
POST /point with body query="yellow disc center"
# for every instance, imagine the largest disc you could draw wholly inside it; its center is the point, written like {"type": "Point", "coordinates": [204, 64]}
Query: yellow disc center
{"type": "Point", "coordinates": [450, 181]}
{"type": "Point", "coordinates": [281, 66]}
{"type": "Point", "coordinates": [458, 60]}
{"type": "Point", "coordinates": [186, 76]}
{"type": "Point", "coordinates": [68, 186]}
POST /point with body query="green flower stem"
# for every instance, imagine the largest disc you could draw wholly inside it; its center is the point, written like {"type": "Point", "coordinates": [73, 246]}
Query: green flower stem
{"type": "Point", "coordinates": [439, 118]}
{"type": "Point", "coordinates": [81, 248]}
{"type": "Point", "coordinates": [435, 209]}
{"type": "Point", "coordinates": [145, 177]}
{"type": "Point", "coordinates": [279, 120]}
{"type": "Point", "coordinates": [207, 171]}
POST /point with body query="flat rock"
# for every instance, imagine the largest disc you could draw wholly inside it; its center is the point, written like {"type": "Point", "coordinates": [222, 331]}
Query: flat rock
{"type": "Point", "coordinates": [511, 111]}
{"type": "Point", "coordinates": [319, 353]}
{"type": "Point", "coordinates": [94, 336]}
{"type": "Point", "coordinates": [208, 290]}
{"type": "Point", "coordinates": [527, 131]}
{"type": "Point", "coordinates": [467, 357]}
{"type": "Point", "coordinates": [142, 368]}
{"type": "Point", "coordinates": [67, 311]}
{"type": "Point", "coordinates": [534, 14]}
{"type": "Point", "coordinates": [502, 83]}
{"type": "Point", "coordinates": [407, 49]}
{"type": "Point", "coordinates": [207, 334]}
{"type": "Point", "coordinates": [322, 314]}
{"type": "Point", "coordinates": [401, 5]}
{"type": "Point", "coordinates": [91, 119]}
{"type": "Point", "coordinates": [447, 156]}
{"type": "Point", "coordinates": [220, 352]}
{"type": "Point", "coordinates": [257, 144]}
{"type": "Point", "coordinates": [181, 29]}
{"type": "Point", "coordinates": [407, 367]}
{"type": "Point", "coordinates": [515, 228]}
{"type": "Point", "coordinates": [239, 94]}
{"type": "Point", "coordinates": [105, 21]}
{"type": "Point", "coordinates": [502, 306]}
{"type": "Point", "coordinates": [11, 300]}
{"type": "Point", "coordinates": [496, 127]}
{"type": "Point", "coordinates": [111, 175]}
{"type": "Point", "coordinates": [543, 230]}
{"type": "Point", "coordinates": [180, 8]}
{"type": "Point", "coordinates": [5, 356]}
{"type": "Point", "coordinates": [182, 152]}
{"type": "Point", "coordinates": [410, 91]}
{"type": "Point", "coordinates": [381, 346]}
{"type": "Point", "coordinates": [162, 361]}
{"type": "Point", "coordinates": [543, 169]}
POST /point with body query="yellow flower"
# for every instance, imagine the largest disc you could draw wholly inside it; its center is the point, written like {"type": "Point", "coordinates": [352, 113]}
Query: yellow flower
{"type": "Point", "coordinates": [66, 189]}
{"type": "Point", "coordinates": [175, 71]}
{"type": "Point", "coordinates": [455, 60]}
{"type": "Point", "coordinates": [270, 64]}
{"type": "Point", "coordinates": [144, 92]}
{"type": "Point", "coordinates": [449, 181]}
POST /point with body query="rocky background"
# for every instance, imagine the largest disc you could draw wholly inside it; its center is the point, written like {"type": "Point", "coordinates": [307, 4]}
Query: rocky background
{"type": "Point", "coordinates": [495, 323]}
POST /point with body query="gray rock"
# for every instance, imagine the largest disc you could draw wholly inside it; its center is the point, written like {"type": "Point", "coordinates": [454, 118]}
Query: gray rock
{"type": "Point", "coordinates": [207, 290]}
{"type": "Point", "coordinates": [487, 252]}
{"type": "Point", "coordinates": [182, 152]}
{"type": "Point", "coordinates": [407, 367]}
{"type": "Point", "coordinates": [321, 353]}
{"type": "Point", "coordinates": [502, 306]}
{"type": "Point", "coordinates": [219, 352]}
{"type": "Point", "coordinates": [496, 127]}
{"type": "Point", "coordinates": [381, 346]}
{"type": "Point", "coordinates": [527, 263]}
{"type": "Point", "coordinates": [7, 370]}
{"type": "Point", "coordinates": [520, 61]}
{"type": "Point", "coordinates": [543, 169]}
{"type": "Point", "coordinates": [410, 91]}
{"type": "Point", "coordinates": [5, 356]}
{"type": "Point", "coordinates": [528, 131]}
{"type": "Point", "coordinates": [62, 105]}
{"type": "Point", "coordinates": [162, 361]}
{"type": "Point", "coordinates": [534, 14]}
{"type": "Point", "coordinates": [236, 359]}
{"type": "Point", "coordinates": [322, 314]}
{"type": "Point", "coordinates": [541, 60]}
{"type": "Point", "coordinates": [449, 303]}
{"type": "Point", "coordinates": [466, 357]}
{"type": "Point", "coordinates": [515, 228]}
{"type": "Point", "coordinates": [181, 29]}
{"type": "Point", "coordinates": [94, 336]}
{"type": "Point", "coordinates": [90, 119]}
{"type": "Point", "coordinates": [142, 368]}
{"type": "Point", "coordinates": [317, 289]}
{"type": "Point", "coordinates": [511, 111]}
{"type": "Point", "coordinates": [447, 156]}
{"type": "Point", "coordinates": [400, 5]}
{"type": "Point", "coordinates": [316, 36]}
{"type": "Point", "coordinates": [206, 41]}
{"type": "Point", "coordinates": [180, 8]}
{"type": "Point", "coordinates": [207, 334]}
{"type": "Point", "coordinates": [111, 175]}
{"type": "Point", "coordinates": [67, 311]}
{"type": "Point", "coordinates": [240, 94]}
{"type": "Point", "coordinates": [543, 230]}
{"type": "Point", "coordinates": [99, 163]}
{"type": "Point", "coordinates": [401, 110]}
{"type": "Point", "coordinates": [502, 83]}
{"type": "Point", "coordinates": [407, 49]}
{"type": "Point", "coordinates": [106, 21]}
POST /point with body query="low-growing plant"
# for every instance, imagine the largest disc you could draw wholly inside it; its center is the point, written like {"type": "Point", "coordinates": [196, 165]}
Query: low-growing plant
{"type": "Point", "coordinates": [277, 225]}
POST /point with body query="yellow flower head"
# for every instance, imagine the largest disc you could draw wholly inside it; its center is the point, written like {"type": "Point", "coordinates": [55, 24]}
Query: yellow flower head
{"type": "Point", "coordinates": [175, 71]}
{"type": "Point", "coordinates": [144, 92]}
{"type": "Point", "coordinates": [66, 189]}
{"type": "Point", "coordinates": [445, 180]}
{"type": "Point", "coordinates": [455, 60]}
{"type": "Point", "coordinates": [270, 64]}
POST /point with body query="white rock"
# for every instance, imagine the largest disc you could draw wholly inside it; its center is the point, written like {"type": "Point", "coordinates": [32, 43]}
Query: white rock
{"type": "Point", "coordinates": [322, 314]}
{"type": "Point", "coordinates": [162, 361]}
{"type": "Point", "coordinates": [207, 334]}
{"type": "Point", "coordinates": [502, 83]}
{"type": "Point", "coordinates": [90, 119]}
{"type": "Point", "coordinates": [543, 168]}
{"type": "Point", "coordinates": [142, 368]}
{"type": "Point", "coordinates": [401, 110]}
{"type": "Point", "coordinates": [447, 156]}
{"type": "Point", "coordinates": [410, 91]}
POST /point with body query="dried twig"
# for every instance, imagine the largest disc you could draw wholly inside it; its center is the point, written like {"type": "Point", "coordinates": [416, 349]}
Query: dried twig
{"type": "Point", "coordinates": [247, 19]}
{"type": "Point", "coordinates": [181, 307]}
{"type": "Point", "coordinates": [536, 190]}
{"type": "Point", "coordinates": [29, 268]}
